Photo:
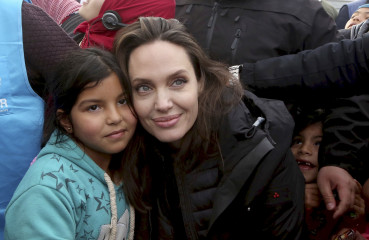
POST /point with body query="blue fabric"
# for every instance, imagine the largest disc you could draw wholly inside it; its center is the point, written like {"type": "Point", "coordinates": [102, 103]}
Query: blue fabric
{"type": "Point", "coordinates": [353, 6]}
{"type": "Point", "coordinates": [21, 109]}
{"type": "Point", "coordinates": [364, 6]}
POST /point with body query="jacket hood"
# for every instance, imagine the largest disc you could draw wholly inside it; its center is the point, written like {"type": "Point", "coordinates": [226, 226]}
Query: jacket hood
{"type": "Point", "coordinates": [68, 149]}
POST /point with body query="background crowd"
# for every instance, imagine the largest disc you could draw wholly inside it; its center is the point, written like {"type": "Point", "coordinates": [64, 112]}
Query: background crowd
{"type": "Point", "coordinates": [239, 157]}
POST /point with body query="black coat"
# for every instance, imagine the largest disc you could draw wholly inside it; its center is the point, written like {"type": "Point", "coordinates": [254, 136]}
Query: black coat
{"type": "Point", "coordinates": [255, 191]}
{"type": "Point", "coordinates": [239, 31]}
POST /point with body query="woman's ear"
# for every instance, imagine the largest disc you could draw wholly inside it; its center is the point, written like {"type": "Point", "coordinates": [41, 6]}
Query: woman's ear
{"type": "Point", "coordinates": [64, 121]}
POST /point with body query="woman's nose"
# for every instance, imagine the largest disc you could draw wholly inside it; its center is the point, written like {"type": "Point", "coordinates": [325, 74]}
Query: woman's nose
{"type": "Point", "coordinates": [163, 101]}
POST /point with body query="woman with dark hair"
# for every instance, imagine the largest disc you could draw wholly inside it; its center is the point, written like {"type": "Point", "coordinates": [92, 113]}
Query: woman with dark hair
{"type": "Point", "coordinates": [214, 160]}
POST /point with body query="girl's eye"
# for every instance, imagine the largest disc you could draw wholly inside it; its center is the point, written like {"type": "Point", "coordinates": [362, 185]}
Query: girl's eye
{"type": "Point", "coordinates": [143, 88]}
{"type": "Point", "coordinates": [93, 108]}
{"type": "Point", "coordinates": [122, 101]}
{"type": "Point", "coordinates": [296, 141]}
{"type": "Point", "coordinates": [179, 82]}
{"type": "Point", "coordinates": [317, 143]}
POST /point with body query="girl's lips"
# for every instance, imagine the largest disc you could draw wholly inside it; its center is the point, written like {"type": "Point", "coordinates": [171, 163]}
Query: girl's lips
{"type": "Point", "coordinates": [116, 134]}
{"type": "Point", "coordinates": [303, 164]}
{"type": "Point", "coordinates": [168, 121]}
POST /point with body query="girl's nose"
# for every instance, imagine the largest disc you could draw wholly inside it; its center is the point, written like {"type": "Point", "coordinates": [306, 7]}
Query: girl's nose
{"type": "Point", "coordinates": [114, 116]}
{"type": "Point", "coordinates": [305, 148]}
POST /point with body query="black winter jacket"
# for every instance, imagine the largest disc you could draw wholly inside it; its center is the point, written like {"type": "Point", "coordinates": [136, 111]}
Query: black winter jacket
{"type": "Point", "coordinates": [239, 31]}
{"type": "Point", "coordinates": [255, 191]}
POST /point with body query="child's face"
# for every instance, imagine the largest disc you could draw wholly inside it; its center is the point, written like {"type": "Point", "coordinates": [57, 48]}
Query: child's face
{"type": "Point", "coordinates": [101, 120]}
{"type": "Point", "coordinates": [359, 16]}
{"type": "Point", "coordinates": [305, 148]}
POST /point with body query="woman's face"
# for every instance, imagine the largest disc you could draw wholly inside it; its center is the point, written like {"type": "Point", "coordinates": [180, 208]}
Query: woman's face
{"type": "Point", "coordinates": [165, 90]}
{"type": "Point", "coordinates": [90, 9]}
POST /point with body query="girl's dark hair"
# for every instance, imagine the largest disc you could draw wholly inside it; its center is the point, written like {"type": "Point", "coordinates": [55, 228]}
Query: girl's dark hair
{"type": "Point", "coordinates": [80, 68]}
{"type": "Point", "coordinates": [213, 105]}
{"type": "Point", "coordinates": [305, 117]}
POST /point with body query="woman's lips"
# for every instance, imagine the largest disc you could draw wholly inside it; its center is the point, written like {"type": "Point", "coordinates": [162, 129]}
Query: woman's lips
{"type": "Point", "coordinates": [168, 121]}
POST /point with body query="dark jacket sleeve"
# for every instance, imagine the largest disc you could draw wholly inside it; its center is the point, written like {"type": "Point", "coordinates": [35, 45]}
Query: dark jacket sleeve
{"type": "Point", "coordinates": [45, 45]}
{"type": "Point", "coordinates": [332, 70]}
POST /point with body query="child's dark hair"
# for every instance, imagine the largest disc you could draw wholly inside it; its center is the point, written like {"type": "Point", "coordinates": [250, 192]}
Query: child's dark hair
{"type": "Point", "coordinates": [305, 117]}
{"type": "Point", "coordinates": [81, 67]}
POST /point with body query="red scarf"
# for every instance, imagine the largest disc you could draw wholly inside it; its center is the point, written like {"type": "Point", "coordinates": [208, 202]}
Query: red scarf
{"type": "Point", "coordinates": [129, 10]}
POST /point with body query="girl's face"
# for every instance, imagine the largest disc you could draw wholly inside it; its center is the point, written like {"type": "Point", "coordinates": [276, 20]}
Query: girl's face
{"type": "Point", "coordinates": [90, 9]}
{"type": "Point", "coordinates": [305, 148]}
{"type": "Point", "coordinates": [165, 90]}
{"type": "Point", "coordinates": [101, 120]}
{"type": "Point", "coordinates": [357, 17]}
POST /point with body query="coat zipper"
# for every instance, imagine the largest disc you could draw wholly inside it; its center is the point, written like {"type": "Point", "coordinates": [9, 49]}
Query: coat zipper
{"type": "Point", "coordinates": [211, 26]}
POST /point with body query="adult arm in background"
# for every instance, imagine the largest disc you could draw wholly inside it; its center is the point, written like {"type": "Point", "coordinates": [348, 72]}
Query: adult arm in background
{"type": "Point", "coordinates": [45, 45]}
{"type": "Point", "coordinates": [340, 69]}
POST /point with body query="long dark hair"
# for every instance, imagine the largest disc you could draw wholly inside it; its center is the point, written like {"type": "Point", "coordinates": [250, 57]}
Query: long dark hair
{"type": "Point", "coordinates": [213, 104]}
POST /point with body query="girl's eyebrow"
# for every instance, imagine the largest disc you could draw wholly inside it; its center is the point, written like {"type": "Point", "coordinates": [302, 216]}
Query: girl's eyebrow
{"type": "Point", "coordinates": [92, 100]}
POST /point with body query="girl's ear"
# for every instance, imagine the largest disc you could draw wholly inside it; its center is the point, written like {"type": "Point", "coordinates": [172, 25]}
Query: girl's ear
{"type": "Point", "coordinates": [64, 121]}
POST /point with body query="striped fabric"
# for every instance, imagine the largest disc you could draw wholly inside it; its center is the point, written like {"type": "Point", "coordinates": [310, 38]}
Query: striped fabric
{"type": "Point", "coordinates": [59, 10]}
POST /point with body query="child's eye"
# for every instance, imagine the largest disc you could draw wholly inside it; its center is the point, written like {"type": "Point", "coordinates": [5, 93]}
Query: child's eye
{"type": "Point", "coordinates": [296, 141]}
{"type": "Point", "coordinates": [122, 101]}
{"type": "Point", "coordinates": [93, 108]}
{"type": "Point", "coordinates": [179, 82]}
{"type": "Point", "coordinates": [317, 143]}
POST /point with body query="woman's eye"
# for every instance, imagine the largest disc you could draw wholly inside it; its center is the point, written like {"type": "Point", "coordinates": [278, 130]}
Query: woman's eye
{"type": "Point", "coordinates": [179, 82]}
{"type": "Point", "coordinates": [143, 88]}
{"type": "Point", "coordinates": [93, 108]}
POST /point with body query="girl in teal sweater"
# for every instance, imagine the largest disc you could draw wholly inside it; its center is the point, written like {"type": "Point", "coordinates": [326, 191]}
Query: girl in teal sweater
{"type": "Point", "coordinates": [74, 188]}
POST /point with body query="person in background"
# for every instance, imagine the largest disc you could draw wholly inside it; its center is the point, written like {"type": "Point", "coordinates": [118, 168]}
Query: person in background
{"type": "Point", "coordinates": [214, 160]}
{"type": "Point", "coordinates": [74, 188]}
{"type": "Point", "coordinates": [346, 11]}
{"type": "Point", "coordinates": [308, 134]}
{"type": "Point", "coordinates": [31, 45]}
{"type": "Point", "coordinates": [95, 22]}
{"type": "Point", "coordinates": [236, 32]}
{"type": "Point", "coordinates": [359, 16]}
